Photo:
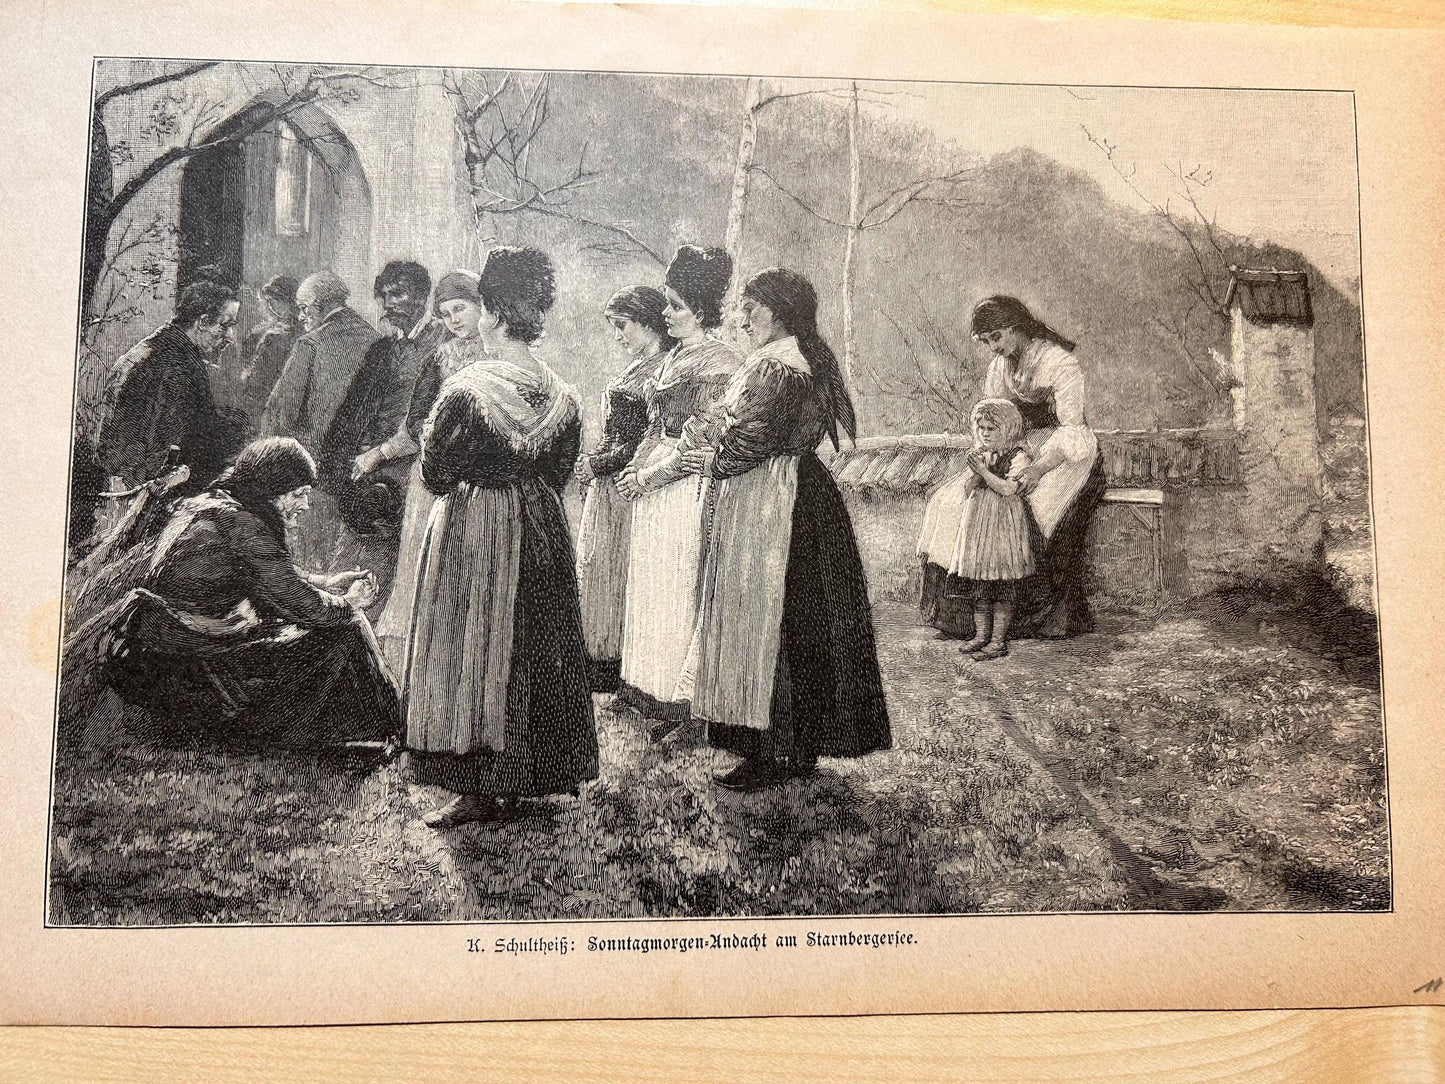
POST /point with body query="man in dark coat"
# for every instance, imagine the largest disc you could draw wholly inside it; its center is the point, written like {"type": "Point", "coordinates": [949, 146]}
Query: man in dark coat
{"type": "Point", "coordinates": [322, 365]}
{"type": "Point", "coordinates": [159, 395]}
{"type": "Point", "coordinates": [314, 383]}
{"type": "Point", "coordinates": [356, 469]}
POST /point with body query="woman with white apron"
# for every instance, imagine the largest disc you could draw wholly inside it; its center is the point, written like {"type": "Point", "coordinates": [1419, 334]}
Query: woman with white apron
{"type": "Point", "coordinates": [667, 519]}
{"type": "Point", "coordinates": [783, 666]}
{"type": "Point", "coordinates": [604, 540]}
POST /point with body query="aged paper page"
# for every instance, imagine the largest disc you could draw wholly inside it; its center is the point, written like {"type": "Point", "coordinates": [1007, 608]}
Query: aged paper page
{"type": "Point", "coordinates": [1150, 772]}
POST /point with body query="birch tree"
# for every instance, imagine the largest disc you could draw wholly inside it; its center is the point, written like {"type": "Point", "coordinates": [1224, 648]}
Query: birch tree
{"type": "Point", "coordinates": [946, 189]}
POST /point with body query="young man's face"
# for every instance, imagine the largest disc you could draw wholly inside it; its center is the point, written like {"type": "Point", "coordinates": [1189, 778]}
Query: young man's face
{"type": "Point", "coordinates": [213, 336]}
{"type": "Point", "coordinates": [401, 305]}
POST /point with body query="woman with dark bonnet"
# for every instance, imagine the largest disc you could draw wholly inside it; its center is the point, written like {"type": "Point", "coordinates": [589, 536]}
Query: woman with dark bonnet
{"type": "Point", "coordinates": [458, 305]}
{"type": "Point", "coordinates": [1034, 367]}
{"type": "Point", "coordinates": [603, 542]}
{"type": "Point", "coordinates": [667, 523]}
{"type": "Point", "coordinates": [784, 667]}
{"type": "Point", "coordinates": [499, 705]}
{"type": "Point", "coordinates": [227, 639]}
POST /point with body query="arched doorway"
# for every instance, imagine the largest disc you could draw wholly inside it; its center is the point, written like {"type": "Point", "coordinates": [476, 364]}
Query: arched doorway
{"type": "Point", "coordinates": [289, 199]}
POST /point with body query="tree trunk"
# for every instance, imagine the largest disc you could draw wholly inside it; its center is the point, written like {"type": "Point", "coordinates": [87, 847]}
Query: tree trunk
{"type": "Point", "coordinates": [855, 230]}
{"type": "Point", "coordinates": [100, 182]}
{"type": "Point", "coordinates": [733, 239]}
{"type": "Point", "coordinates": [99, 190]}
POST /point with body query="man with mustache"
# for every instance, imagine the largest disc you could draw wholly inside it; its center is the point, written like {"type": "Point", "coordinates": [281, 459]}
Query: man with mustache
{"type": "Point", "coordinates": [360, 464]}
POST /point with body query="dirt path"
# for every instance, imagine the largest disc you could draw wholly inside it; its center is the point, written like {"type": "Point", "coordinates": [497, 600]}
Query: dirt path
{"type": "Point", "coordinates": [1200, 758]}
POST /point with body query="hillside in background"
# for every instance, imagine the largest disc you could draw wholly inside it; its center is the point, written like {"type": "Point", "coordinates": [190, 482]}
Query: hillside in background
{"type": "Point", "coordinates": [1120, 281]}
{"type": "Point", "coordinates": [662, 151]}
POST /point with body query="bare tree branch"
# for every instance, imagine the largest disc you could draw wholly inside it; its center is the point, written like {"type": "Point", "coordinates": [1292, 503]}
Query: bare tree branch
{"type": "Point", "coordinates": [104, 98]}
{"type": "Point", "coordinates": [871, 95]}
{"type": "Point", "coordinates": [917, 191]}
{"type": "Point", "coordinates": [799, 200]}
{"type": "Point", "coordinates": [608, 227]}
{"type": "Point", "coordinates": [1210, 258]}
{"type": "Point", "coordinates": [499, 128]}
{"type": "Point", "coordinates": [924, 383]}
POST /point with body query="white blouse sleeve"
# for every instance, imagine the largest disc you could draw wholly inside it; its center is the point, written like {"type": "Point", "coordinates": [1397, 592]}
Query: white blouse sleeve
{"type": "Point", "coordinates": [1065, 377]}
{"type": "Point", "coordinates": [994, 384]}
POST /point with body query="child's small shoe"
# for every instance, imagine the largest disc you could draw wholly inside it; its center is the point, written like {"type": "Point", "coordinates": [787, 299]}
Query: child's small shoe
{"type": "Point", "coordinates": [990, 651]}
{"type": "Point", "coordinates": [976, 644]}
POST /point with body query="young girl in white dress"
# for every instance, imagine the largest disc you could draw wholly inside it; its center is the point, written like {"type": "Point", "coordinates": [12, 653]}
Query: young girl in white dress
{"type": "Point", "coordinates": [994, 551]}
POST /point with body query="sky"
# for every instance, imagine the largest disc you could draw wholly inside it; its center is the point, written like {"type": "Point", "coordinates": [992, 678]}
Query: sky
{"type": "Point", "coordinates": [1282, 162]}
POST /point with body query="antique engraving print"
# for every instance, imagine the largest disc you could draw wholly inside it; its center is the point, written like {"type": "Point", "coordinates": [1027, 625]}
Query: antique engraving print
{"type": "Point", "coordinates": [557, 495]}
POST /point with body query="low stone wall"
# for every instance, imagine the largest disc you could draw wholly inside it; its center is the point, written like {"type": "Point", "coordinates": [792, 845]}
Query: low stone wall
{"type": "Point", "coordinates": [1124, 550]}
{"type": "Point", "coordinates": [1178, 517]}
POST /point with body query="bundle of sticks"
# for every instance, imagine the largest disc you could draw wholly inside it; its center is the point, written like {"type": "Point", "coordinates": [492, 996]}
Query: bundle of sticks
{"type": "Point", "coordinates": [116, 560]}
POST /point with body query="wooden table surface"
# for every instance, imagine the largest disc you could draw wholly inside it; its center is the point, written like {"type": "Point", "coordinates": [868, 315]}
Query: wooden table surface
{"type": "Point", "coordinates": [1368, 1045]}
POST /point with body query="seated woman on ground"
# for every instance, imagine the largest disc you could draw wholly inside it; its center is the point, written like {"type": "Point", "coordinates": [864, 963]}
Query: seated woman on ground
{"type": "Point", "coordinates": [227, 639]}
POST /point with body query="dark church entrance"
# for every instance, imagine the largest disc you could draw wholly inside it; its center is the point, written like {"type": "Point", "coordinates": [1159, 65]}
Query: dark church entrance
{"type": "Point", "coordinates": [290, 199]}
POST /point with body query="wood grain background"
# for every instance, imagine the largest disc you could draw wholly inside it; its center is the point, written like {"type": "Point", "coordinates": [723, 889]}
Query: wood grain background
{"type": "Point", "coordinates": [1368, 1045]}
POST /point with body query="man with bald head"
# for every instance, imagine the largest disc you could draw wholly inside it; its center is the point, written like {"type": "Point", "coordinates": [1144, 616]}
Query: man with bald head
{"type": "Point", "coordinates": [313, 384]}
{"type": "Point", "coordinates": [322, 365]}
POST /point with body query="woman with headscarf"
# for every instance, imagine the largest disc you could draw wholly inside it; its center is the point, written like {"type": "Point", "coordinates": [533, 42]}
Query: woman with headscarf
{"type": "Point", "coordinates": [783, 666]}
{"type": "Point", "coordinates": [667, 522]}
{"type": "Point", "coordinates": [458, 305]}
{"type": "Point", "coordinates": [499, 705]}
{"type": "Point", "coordinates": [265, 350]}
{"type": "Point", "coordinates": [1034, 367]}
{"type": "Point", "coordinates": [637, 318]}
{"type": "Point", "coordinates": [227, 639]}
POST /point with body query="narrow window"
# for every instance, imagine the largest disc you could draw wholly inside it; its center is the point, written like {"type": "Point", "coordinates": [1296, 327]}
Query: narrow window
{"type": "Point", "coordinates": [293, 185]}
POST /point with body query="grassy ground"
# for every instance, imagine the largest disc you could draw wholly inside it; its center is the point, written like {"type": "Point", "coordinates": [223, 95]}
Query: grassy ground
{"type": "Point", "coordinates": [1197, 762]}
{"type": "Point", "coordinates": [1225, 753]}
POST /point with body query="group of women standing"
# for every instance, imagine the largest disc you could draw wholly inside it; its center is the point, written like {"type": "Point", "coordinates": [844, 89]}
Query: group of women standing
{"type": "Point", "coordinates": [743, 603]}
{"type": "Point", "coordinates": [719, 577]}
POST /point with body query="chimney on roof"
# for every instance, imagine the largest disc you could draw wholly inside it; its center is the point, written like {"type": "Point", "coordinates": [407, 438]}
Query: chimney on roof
{"type": "Point", "coordinates": [1272, 358]}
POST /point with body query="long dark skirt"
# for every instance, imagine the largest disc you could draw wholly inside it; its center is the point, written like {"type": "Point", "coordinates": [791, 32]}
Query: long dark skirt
{"type": "Point", "coordinates": [827, 693]}
{"type": "Point", "coordinates": [550, 737]}
{"type": "Point", "coordinates": [275, 684]}
{"type": "Point", "coordinates": [1047, 605]}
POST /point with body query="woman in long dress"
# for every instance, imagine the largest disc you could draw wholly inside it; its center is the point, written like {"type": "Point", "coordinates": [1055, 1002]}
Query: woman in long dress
{"type": "Point", "coordinates": [458, 305]}
{"type": "Point", "coordinates": [603, 543]}
{"type": "Point", "coordinates": [784, 663]}
{"type": "Point", "coordinates": [1034, 367]}
{"type": "Point", "coordinates": [667, 521]}
{"type": "Point", "coordinates": [498, 703]}
{"type": "Point", "coordinates": [227, 640]}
